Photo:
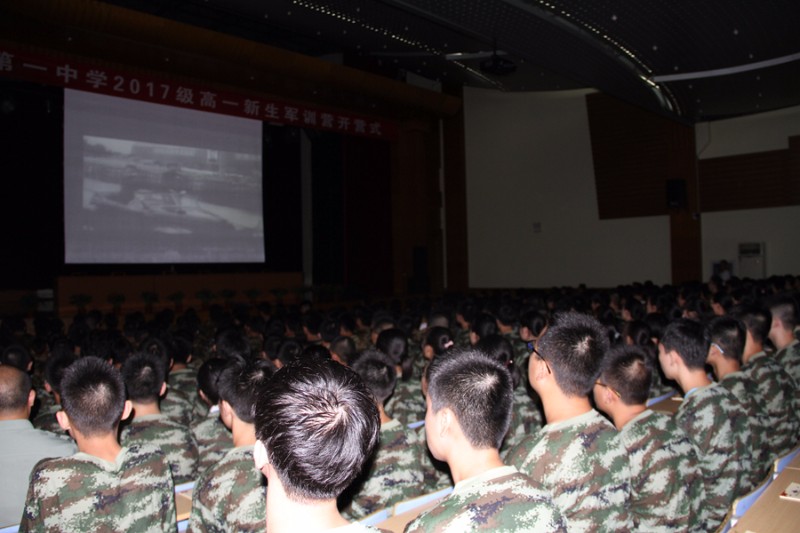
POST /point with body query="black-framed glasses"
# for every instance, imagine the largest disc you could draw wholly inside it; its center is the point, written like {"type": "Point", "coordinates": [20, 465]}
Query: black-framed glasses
{"type": "Point", "coordinates": [532, 348]}
{"type": "Point", "coordinates": [598, 382]}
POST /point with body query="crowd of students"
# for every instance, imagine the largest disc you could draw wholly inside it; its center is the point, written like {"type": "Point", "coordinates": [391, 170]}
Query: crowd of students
{"type": "Point", "coordinates": [532, 405]}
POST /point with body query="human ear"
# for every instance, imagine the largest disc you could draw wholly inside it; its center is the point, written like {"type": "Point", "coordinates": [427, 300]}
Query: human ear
{"type": "Point", "coordinates": [260, 456]}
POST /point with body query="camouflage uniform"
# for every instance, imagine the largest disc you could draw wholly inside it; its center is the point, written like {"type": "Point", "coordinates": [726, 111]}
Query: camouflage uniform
{"type": "Point", "coordinates": [213, 440]}
{"type": "Point", "coordinates": [500, 499]}
{"type": "Point", "coordinates": [46, 420]}
{"type": "Point", "coordinates": [393, 475]}
{"type": "Point", "coordinates": [184, 381]}
{"type": "Point", "coordinates": [526, 419]}
{"type": "Point", "coordinates": [712, 418]}
{"type": "Point", "coordinates": [407, 404]}
{"type": "Point", "coordinates": [462, 338]}
{"type": "Point", "coordinates": [176, 406]}
{"type": "Point", "coordinates": [777, 392]}
{"type": "Point", "coordinates": [230, 496]}
{"type": "Point", "coordinates": [667, 490]}
{"type": "Point", "coordinates": [789, 358]}
{"type": "Point", "coordinates": [175, 440]}
{"type": "Point", "coordinates": [582, 464]}
{"type": "Point", "coordinates": [84, 493]}
{"type": "Point", "coordinates": [745, 390]}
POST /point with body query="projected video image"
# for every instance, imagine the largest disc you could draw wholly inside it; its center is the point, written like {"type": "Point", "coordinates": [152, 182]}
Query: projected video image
{"type": "Point", "coordinates": [136, 201]}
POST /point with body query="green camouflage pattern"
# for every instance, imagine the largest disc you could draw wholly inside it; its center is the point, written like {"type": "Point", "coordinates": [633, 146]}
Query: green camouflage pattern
{"type": "Point", "coordinates": [501, 499]}
{"type": "Point", "coordinates": [230, 496]}
{"type": "Point", "coordinates": [526, 419]}
{"type": "Point", "coordinates": [745, 390]}
{"type": "Point", "coordinates": [777, 393]}
{"type": "Point", "coordinates": [712, 418]}
{"type": "Point", "coordinates": [407, 404]}
{"type": "Point", "coordinates": [213, 440]}
{"type": "Point", "coordinates": [175, 440]}
{"type": "Point", "coordinates": [667, 490]}
{"type": "Point", "coordinates": [184, 381]}
{"type": "Point", "coordinates": [392, 476]}
{"type": "Point", "coordinates": [177, 406]}
{"type": "Point", "coordinates": [581, 463]}
{"type": "Point", "coordinates": [83, 493]}
{"type": "Point", "coordinates": [46, 420]}
{"type": "Point", "coordinates": [789, 359]}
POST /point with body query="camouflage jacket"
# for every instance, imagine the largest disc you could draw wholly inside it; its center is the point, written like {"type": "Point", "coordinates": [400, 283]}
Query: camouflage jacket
{"type": "Point", "coordinates": [175, 440]}
{"type": "Point", "coordinates": [213, 440]}
{"type": "Point", "coordinates": [184, 381]}
{"type": "Point", "coordinates": [526, 418]}
{"type": "Point", "coordinates": [85, 493]}
{"type": "Point", "coordinates": [177, 406]}
{"type": "Point", "coordinates": [583, 466]}
{"type": "Point", "coordinates": [712, 419]}
{"type": "Point", "coordinates": [500, 499]}
{"type": "Point", "coordinates": [667, 490]}
{"type": "Point", "coordinates": [777, 393]}
{"type": "Point", "coordinates": [230, 496]}
{"type": "Point", "coordinates": [46, 420]}
{"type": "Point", "coordinates": [789, 358]}
{"type": "Point", "coordinates": [407, 404]}
{"type": "Point", "coordinates": [393, 475]}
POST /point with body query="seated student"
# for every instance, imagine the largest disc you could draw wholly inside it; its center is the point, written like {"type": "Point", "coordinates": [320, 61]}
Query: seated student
{"type": "Point", "coordinates": [507, 325]}
{"type": "Point", "coordinates": [775, 386]}
{"type": "Point", "coordinates": [710, 416]}
{"type": "Point", "coordinates": [469, 410]}
{"type": "Point", "coordinates": [667, 491]}
{"type": "Point", "coordinates": [103, 487]}
{"type": "Point", "coordinates": [407, 404]}
{"type": "Point", "coordinates": [781, 333]}
{"type": "Point", "coordinates": [231, 494]}
{"type": "Point", "coordinates": [53, 373]}
{"type": "Point", "coordinates": [182, 377]}
{"type": "Point", "coordinates": [144, 375]}
{"type": "Point", "coordinates": [21, 446]}
{"type": "Point", "coordinates": [212, 437]}
{"type": "Point", "coordinates": [343, 350]}
{"type": "Point", "coordinates": [393, 474]}
{"type": "Point", "coordinates": [316, 425]}
{"type": "Point", "coordinates": [173, 403]}
{"type": "Point", "coordinates": [727, 336]}
{"type": "Point", "coordinates": [483, 325]}
{"type": "Point", "coordinates": [576, 456]}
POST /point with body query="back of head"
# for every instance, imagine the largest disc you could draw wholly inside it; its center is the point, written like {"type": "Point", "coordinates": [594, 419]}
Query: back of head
{"type": "Point", "coordinates": [784, 308]}
{"type": "Point", "coordinates": [627, 370]}
{"type": "Point", "coordinates": [55, 368]}
{"type": "Point", "coordinates": [484, 324]}
{"type": "Point", "coordinates": [439, 339]}
{"type": "Point", "coordinates": [478, 390]}
{"type": "Point", "coordinates": [315, 352]}
{"type": "Point", "coordinates": [319, 424]}
{"type": "Point", "coordinates": [639, 333]}
{"type": "Point", "coordinates": [729, 335]}
{"type": "Point", "coordinates": [208, 378]}
{"type": "Point", "coordinates": [93, 396]}
{"type": "Point", "coordinates": [394, 343]}
{"type": "Point", "coordinates": [17, 356]}
{"type": "Point", "coordinates": [232, 342]}
{"type": "Point", "coordinates": [498, 348]}
{"type": "Point", "coordinates": [15, 386]}
{"type": "Point", "coordinates": [344, 348]}
{"type": "Point", "coordinates": [574, 346]}
{"type": "Point", "coordinates": [378, 372]}
{"type": "Point", "coordinates": [535, 321]}
{"type": "Point", "coordinates": [329, 329]}
{"type": "Point", "coordinates": [239, 384]}
{"type": "Point", "coordinates": [688, 338]}
{"type": "Point", "coordinates": [507, 314]}
{"type": "Point", "coordinates": [756, 319]}
{"type": "Point", "coordinates": [144, 374]}
{"type": "Point", "coordinates": [289, 351]}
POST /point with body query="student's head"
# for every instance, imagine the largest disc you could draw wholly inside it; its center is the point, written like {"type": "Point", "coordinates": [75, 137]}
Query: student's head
{"type": "Point", "coordinates": [18, 356]}
{"type": "Point", "coordinates": [727, 336]}
{"type": "Point", "coordinates": [572, 348]}
{"type": "Point", "coordinates": [208, 379]}
{"type": "Point", "coordinates": [55, 368]}
{"type": "Point", "coordinates": [232, 342]}
{"type": "Point", "coordinates": [316, 424]}
{"type": "Point", "coordinates": [144, 375]}
{"type": "Point", "coordinates": [394, 343]}
{"type": "Point", "coordinates": [507, 315]}
{"type": "Point", "coordinates": [92, 397]}
{"type": "Point", "coordinates": [627, 374]}
{"type": "Point", "coordinates": [343, 349]}
{"type": "Point", "coordinates": [757, 320]}
{"type": "Point", "coordinates": [476, 390]}
{"type": "Point", "coordinates": [483, 325]}
{"type": "Point", "coordinates": [498, 348]}
{"type": "Point", "coordinates": [437, 341]}
{"type": "Point", "coordinates": [531, 325]}
{"type": "Point", "coordinates": [15, 391]}
{"type": "Point", "coordinates": [329, 329]}
{"type": "Point", "coordinates": [687, 338]}
{"type": "Point", "coordinates": [239, 384]}
{"type": "Point", "coordinates": [784, 314]}
{"type": "Point", "coordinates": [378, 372]}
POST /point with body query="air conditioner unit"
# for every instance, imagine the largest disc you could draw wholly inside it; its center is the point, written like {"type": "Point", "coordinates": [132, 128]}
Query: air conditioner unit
{"type": "Point", "coordinates": [752, 260]}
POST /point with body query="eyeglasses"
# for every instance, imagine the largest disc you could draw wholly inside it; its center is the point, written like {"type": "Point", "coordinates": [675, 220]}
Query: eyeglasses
{"type": "Point", "coordinates": [718, 347]}
{"type": "Point", "coordinates": [532, 348]}
{"type": "Point", "coordinates": [600, 383]}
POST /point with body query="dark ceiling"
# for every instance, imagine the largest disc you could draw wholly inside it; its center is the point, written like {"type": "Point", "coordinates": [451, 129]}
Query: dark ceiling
{"type": "Point", "coordinates": [693, 60]}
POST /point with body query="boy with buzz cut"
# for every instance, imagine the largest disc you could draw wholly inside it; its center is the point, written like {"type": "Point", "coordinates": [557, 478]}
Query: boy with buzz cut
{"type": "Point", "coordinates": [145, 380]}
{"type": "Point", "coordinates": [394, 473]}
{"type": "Point", "coordinates": [469, 410]}
{"type": "Point", "coordinates": [230, 495]}
{"type": "Point", "coordinates": [212, 437]}
{"type": "Point", "coordinates": [576, 456]}
{"type": "Point", "coordinates": [667, 491]}
{"type": "Point", "coordinates": [316, 424]}
{"type": "Point", "coordinates": [711, 417]}
{"type": "Point", "coordinates": [104, 487]}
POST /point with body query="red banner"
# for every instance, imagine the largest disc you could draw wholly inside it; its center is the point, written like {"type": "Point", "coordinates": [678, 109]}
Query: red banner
{"type": "Point", "coordinates": [22, 65]}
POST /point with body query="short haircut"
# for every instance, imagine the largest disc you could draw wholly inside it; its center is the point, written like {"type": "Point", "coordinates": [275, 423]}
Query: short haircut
{"type": "Point", "coordinates": [315, 351]}
{"type": "Point", "coordinates": [757, 320]}
{"type": "Point", "coordinates": [394, 343]}
{"type": "Point", "coordinates": [144, 373]}
{"type": "Point", "coordinates": [93, 396]}
{"type": "Point", "coordinates": [239, 384]}
{"type": "Point", "coordinates": [312, 322]}
{"type": "Point", "coordinates": [378, 373]}
{"type": "Point", "coordinates": [232, 342]}
{"type": "Point", "coordinates": [55, 368]}
{"type": "Point", "coordinates": [484, 324]}
{"type": "Point", "coordinates": [289, 351]}
{"type": "Point", "coordinates": [439, 338]}
{"type": "Point", "coordinates": [478, 390]}
{"type": "Point", "coordinates": [15, 386]}
{"type": "Point", "coordinates": [784, 308]}
{"type": "Point", "coordinates": [498, 348]}
{"type": "Point", "coordinates": [329, 329]}
{"type": "Point", "coordinates": [627, 370]}
{"type": "Point", "coordinates": [344, 347]}
{"type": "Point", "coordinates": [181, 349]}
{"type": "Point", "coordinates": [319, 424]}
{"type": "Point", "coordinates": [730, 335]}
{"type": "Point", "coordinates": [574, 346]}
{"type": "Point", "coordinates": [535, 321]}
{"type": "Point", "coordinates": [689, 339]}
{"type": "Point", "coordinates": [208, 378]}
{"type": "Point", "coordinates": [507, 314]}
{"type": "Point", "coordinates": [17, 356]}
{"type": "Point", "coordinates": [639, 332]}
